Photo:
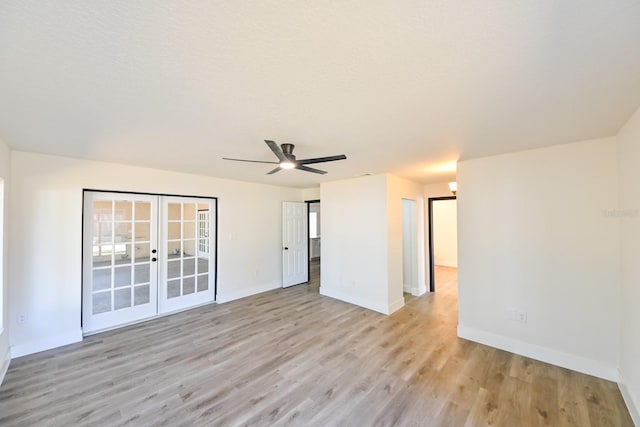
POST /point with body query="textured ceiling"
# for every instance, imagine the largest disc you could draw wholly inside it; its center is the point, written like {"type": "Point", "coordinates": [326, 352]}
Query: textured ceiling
{"type": "Point", "coordinates": [404, 87]}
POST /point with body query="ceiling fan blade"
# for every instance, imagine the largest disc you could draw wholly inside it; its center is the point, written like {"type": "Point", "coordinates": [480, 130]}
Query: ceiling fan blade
{"type": "Point", "coordinates": [308, 169]}
{"type": "Point", "coordinates": [278, 169]}
{"type": "Point", "coordinates": [321, 159]}
{"type": "Point", "coordinates": [250, 161]}
{"type": "Point", "coordinates": [276, 150]}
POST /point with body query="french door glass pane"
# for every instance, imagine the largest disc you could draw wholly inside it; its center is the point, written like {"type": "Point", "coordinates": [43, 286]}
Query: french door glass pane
{"type": "Point", "coordinates": [143, 211]}
{"type": "Point", "coordinates": [175, 232]}
{"type": "Point", "coordinates": [122, 298]}
{"type": "Point", "coordinates": [124, 232]}
{"type": "Point", "coordinates": [142, 252]}
{"type": "Point", "coordinates": [173, 268]}
{"type": "Point", "coordinates": [188, 285]}
{"type": "Point", "coordinates": [203, 282]}
{"type": "Point", "coordinates": [101, 302]}
{"type": "Point", "coordinates": [141, 294]}
{"type": "Point", "coordinates": [174, 212]}
{"type": "Point", "coordinates": [141, 273]}
{"type": "Point", "coordinates": [123, 210]}
{"type": "Point", "coordinates": [189, 230]}
{"type": "Point", "coordinates": [143, 231]}
{"type": "Point", "coordinates": [122, 276]}
{"type": "Point", "coordinates": [189, 267]}
{"type": "Point", "coordinates": [101, 279]}
{"type": "Point", "coordinates": [118, 263]}
{"type": "Point", "coordinates": [189, 213]}
{"type": "Point", "coordinates": [203, 265]}
{"type": "Point", "coordinates": [173, 288]}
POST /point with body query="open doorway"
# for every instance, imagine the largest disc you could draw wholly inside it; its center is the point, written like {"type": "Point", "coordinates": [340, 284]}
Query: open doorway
{"type": "Point", "coordinates": [443, 240]}
{"type": "Point", "coordinates": [314, 242]}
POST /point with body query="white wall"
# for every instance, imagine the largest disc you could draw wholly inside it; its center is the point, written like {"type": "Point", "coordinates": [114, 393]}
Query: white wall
{"type": "Point", "coordinates": [437, 190]}
{"type": "Point", "coordinates": [45, 237]}
{"type": "Point", "coordinates": [397, 190]}
{"type": "Point", "coordinates": [354, 250]}
{"type": "Point", "coordinates": [409, 245]}
{"type": "Point", "coordinates": [445, 233]}
{"type": "Point", "coordinates": [362, 240]}
{"type": "Point", "coordinates": [5, 161]}
{"type": "Point", "coordinates": [533, 237]}
{"type": "Point", "coordinates": [311, 194]}
{"type": "Point", "coordinates": [629, 219]}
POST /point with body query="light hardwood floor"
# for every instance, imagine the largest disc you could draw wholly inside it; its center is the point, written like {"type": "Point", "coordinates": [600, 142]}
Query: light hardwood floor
{"type": "Point", "coordinates": [293, 357]}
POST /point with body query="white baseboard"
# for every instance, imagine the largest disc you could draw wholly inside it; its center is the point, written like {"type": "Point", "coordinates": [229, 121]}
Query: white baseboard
{"type": "Point", "coordinates": [5, 365]}
{"type": "Point", "coordinates": [46, 343]}
{"type": "Point", "coordinates": [544, 354]}
{"type": "Point", "coordinates": [632, 402]}
{"type": "Point", "coordinates": [355, 300]}
{"type": "Point", "coordinates": [221, 298]}
{"type": "Point", "coordinates": [420, 290]}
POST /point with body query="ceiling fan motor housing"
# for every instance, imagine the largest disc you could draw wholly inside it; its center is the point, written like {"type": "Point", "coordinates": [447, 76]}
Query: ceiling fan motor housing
{"type": "Point", "coordinates": [287, 150]}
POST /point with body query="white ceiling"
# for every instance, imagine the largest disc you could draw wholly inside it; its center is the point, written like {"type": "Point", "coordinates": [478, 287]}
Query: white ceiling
{"type": "Point", "coordinates": [398, 86]}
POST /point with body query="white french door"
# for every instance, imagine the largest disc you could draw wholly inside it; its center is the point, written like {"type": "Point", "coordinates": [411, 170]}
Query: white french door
{"type": "Point", "coordinates": [186, 271]}
{"type": "Point", "coordinates": [295, 261]}
{"type": "Point", "coordinates": [140, 257]}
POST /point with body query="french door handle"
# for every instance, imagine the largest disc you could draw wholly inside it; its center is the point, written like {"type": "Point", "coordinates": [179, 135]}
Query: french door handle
{"type": "Point", "coordinates": [154, 251]}
{"type": "Point", "coordinates": [154, 259]}
{"type": "Point", "coordinates": [286, 248]}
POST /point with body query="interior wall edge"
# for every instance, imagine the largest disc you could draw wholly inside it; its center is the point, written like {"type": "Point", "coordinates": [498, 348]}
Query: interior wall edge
{"type": "Point", "coordinates": [47, 343]}
{"type": "Point", "coordinates": [544, 354]}
{"type": "Point", "coordinates": [632, 402]}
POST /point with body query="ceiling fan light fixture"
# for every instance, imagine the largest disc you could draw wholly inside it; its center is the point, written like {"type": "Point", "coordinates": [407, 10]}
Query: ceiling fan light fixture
{"type": "Point", "coordinates": [287, 160]}
{"type": "Point", "coordinates": [287, 165]}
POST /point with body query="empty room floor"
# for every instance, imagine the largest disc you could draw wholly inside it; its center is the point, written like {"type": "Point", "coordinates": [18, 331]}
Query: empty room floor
{"type": "Point", "coordinates": [293, 357]}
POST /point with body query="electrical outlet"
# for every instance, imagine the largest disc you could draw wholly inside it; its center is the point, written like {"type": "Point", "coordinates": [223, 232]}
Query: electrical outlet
{"type": "Point", "coordinates": [22, 318]}
{"type": "Point", "coordinates": [518, 316]}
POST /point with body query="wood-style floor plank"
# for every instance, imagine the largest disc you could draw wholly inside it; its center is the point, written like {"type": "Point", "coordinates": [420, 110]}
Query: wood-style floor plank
{"type": "Point", "coordinates": [291, 357]}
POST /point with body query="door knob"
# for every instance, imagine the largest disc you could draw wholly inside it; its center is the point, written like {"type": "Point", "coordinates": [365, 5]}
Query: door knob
{"type": "Point", "coordinates": [154, 259]}
{"type": "Point", "coordinates": [286, 248]}
{"type": "Point", "coordinates": [154, 251]}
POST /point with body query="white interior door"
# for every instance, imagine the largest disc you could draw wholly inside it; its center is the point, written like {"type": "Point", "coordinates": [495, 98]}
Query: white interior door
{"type": "Point", "coordinates": [294, 244]}
{"type": "Point", "coordinates": [187, 273]}
{"type": "Point", "coordinates": [120, 272]}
